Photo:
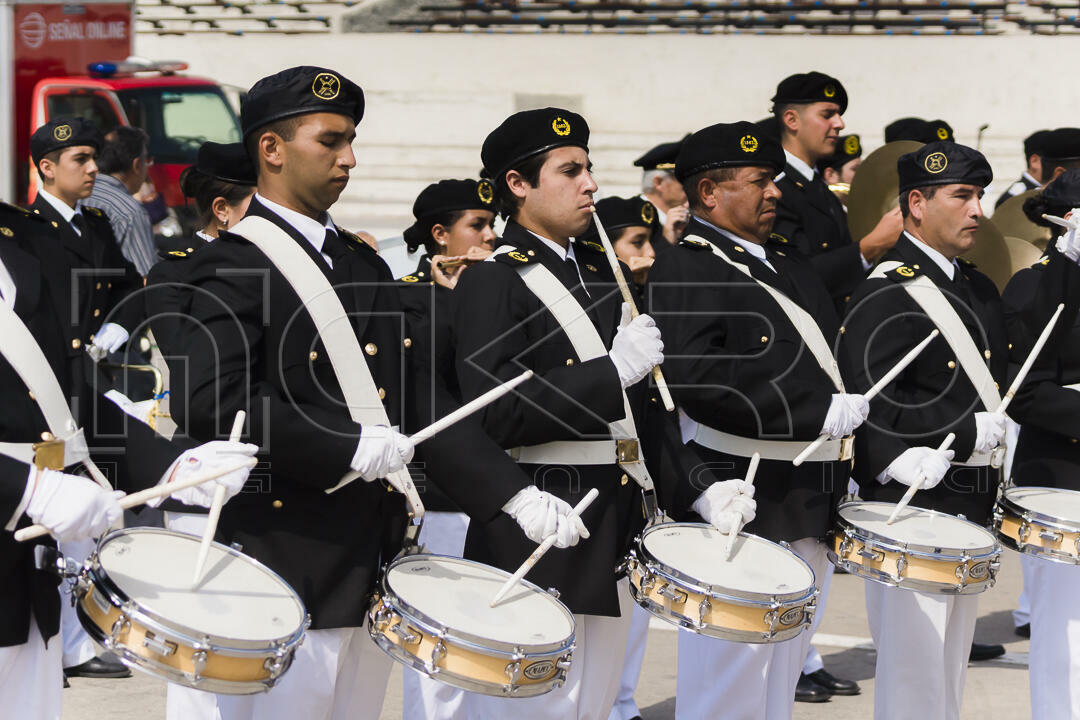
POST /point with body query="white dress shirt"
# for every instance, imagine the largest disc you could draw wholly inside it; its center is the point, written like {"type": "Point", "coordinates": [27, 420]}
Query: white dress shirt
{"type": "Point", "coordinates": [947, 266]}
{"type": "Point", "coordinates": [566, 253]}
{"type": "Point", "coordinates": [66, 211]}
{"type": "Point", "coordinates": [312, 230]}
{"type": "Point", "coordinates": [753, 248]}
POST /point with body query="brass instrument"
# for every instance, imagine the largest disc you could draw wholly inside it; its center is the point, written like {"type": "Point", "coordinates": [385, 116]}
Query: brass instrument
{"type": "Point", "coordinates": [159, 387]}
{"type": "Point", "coordinates": [875, 189]}
{"type": "Point", "coordinates": [1011, 220]}
{"type": "Point", "coordinates": [841, 191]}
{"type": "Point", "coordinates": [447, 264]}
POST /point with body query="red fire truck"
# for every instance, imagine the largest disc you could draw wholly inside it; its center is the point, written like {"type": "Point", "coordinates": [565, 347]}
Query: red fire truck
{"type": "Point", "coordinates": [59, 59]}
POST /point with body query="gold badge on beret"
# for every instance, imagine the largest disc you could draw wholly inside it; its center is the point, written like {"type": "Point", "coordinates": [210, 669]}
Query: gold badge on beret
{"type": "Point", "coordinates": [326, 86]}
{"type": "Point", "coordinates": [648, 212]}
{"type": "Point", "coordinates": [936, 162]}
{"type": "Point", "coordinates": [830, 91]}
{"type": "Point", "coordinates": [942, 133]}
{"type": "Point", "coordinates": [62, 132]}
{"type": "Point", "coordinates": [485, 192]}
{"type": "Point", "coordinates": [561, 126]}
{"type": "Point", "coordinates": [851, 145]}
{"type": "Point", "coordinates": [748, 143]}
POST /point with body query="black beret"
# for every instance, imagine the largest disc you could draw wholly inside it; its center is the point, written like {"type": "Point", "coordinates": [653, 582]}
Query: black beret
{"type": "Point", "coordinates": [529, 133]}
{"type": "Point", "coordinates": [1057, 198]}
{"type": "Point", "coordinates": [1035, 143]}
{"type": "Point", "coordinates": [739, 144]}
{"type": "Point", "coordinates": [1062, 144]}
{"type": "Point", "coordinates": [300, 91]}
{"type": "Point", "coordinates": [617, 213]}
{"type": "Point", "coordinates": [63, 133]}
{"type": "Point", "coordinates": [450, 195]}
{"type": "Point", "coordinates": [943, 163]}
{"type": "Point", "coordinates": [810, 87]}
{"type": "Point", "coordinates": [918, 130]}
{"type": "Point", "coordinates": [225, 162]}
{"type": "Point", "coordinates": [661, 157]}
{"type": "Point", "coordinates": [848, 147]}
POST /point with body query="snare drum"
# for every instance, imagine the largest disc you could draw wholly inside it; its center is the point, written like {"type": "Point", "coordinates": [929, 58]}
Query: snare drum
{"type": "Point", "coordinates": [1044, 522]}
{"type": "Point", "coordinates": [764, 594]}
{"type": "Point", "coordinates": [432, 613]}
{"type": "Point", "coordinates": [235, 633]}
{"type": "Point", "coordinates": [923, 550]}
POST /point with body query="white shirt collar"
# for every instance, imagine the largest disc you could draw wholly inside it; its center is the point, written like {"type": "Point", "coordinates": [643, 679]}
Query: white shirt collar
{"type": "Point", "coordinates": [60, 206]}
{"type": "Point", "coordinates": [312, 230]}
{"type": "Point", "coordinates": [753, 248]}
{"type": "Point", "coordinates": [947, 266]}
{"type": "Point", "coordinates": [564, 254]}
{"type": "Point", "coordinates": [805, 170]}
{"type": "Point", "coordinates": [1032, 180]}
{"type": "Point", "coordinates": [205, 237]}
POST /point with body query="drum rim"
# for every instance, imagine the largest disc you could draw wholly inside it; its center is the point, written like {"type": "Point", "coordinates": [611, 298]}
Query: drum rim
{"type": "Point", "coordinates": [929, 551]}
{"type": "Point", "coordinates": [475, 642]}
{"type": "Point", "coordinates": [1011, 505]}
{"type": "Point", "coordinates": [726, 594]}
{"type": "Point", "coordinates": [191, 636]}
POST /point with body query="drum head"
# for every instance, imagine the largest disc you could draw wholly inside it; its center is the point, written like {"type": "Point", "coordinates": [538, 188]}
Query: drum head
{"type": "Point", "coordinates": [237, 599]}
{"type": "Point", "coordinates": [1063, 505]}
{"type": "Point", "coordinates": [916, 526]}
{"type": "Point", "coordinates": [756, 566]}
{"type": "Point", "coordinates": [456, 594]}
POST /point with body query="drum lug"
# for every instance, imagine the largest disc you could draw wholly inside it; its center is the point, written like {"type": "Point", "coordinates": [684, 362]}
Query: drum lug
{"type": "Point", "coordinates": [845, 545]}
{"type": "Point", "coordinates": [554, 592]}
{"type": "Point", "coordinates": [901, 567]}
{"type": "Point", "coordinates": [1050, 536]}
{"type": "Point", "coordinates": [677, 597]}
{"type": "Point", "coordinates": [871, 554]}
{"type": "Point", "coordinates": [198, 662]}
{"type": "Point", "coordinates": [163, 648]}
{"type": "Point", "coordinates": [703, 609]}
{"type": "Point", "coordinates": [772, 617]}
{"type": "Point", "coordinates": [962, 572]}
{"type": "Point", "coordinates": [810, 609]}
{"type": "Point", "coordinates": [648, 580]}
{"type": "Point", "coordinates": [1022, 532]}
{"type": "Point", "coordinates": [276, 665]}
{"type": "Point", "coordinates": [405, 632]}
{"type": "Point", "coordinates": [122, 625]}
{"type": "Point", "coordinates": [785, 544]}
{"type": "Point", "coordinates": [437, 654]}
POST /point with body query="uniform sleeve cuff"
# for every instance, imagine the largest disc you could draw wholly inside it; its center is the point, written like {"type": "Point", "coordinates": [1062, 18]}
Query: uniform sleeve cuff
{"type": "Point", "coordinates": [24, 502]}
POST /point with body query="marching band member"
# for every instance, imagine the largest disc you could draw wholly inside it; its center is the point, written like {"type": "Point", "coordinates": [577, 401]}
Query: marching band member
{"type": "Point", "coordinates": [258, 348]}
{"type": "Point", "coordinates": [839, 168]}
{"type": "Point", "coordinates": [918, 130]}
{"type": "Point", "coordinates": [1046, 452]}
{"type": "Point", "coordinates": [731, 309]}
{"type": "Point", "coordinates": [808, 108]}
{"type": "Point", "coordinates": [1031, 178]}
{"type": "Point", "coordinates": [560, 425]}
{"type": "Point", "coordinates": [923, 640]}
{"type": "Point", "coordinates": [659, 187]}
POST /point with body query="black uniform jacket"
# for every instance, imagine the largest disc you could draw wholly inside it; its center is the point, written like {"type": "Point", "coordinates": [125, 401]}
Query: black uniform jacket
{"type": "Point", "coordinates": [1022, 185]}
{"type": "Point", "coordinates": [736, 363]}
{"type": "Point", "coordinates": [812, 219]}
{"type": "Point", "coordinates": [127, 451]}
{"type": "Point", "coordinates": [100, 278]}
{"type": "Point", "coordinates": [253, 346]}
{"type": "Point", "coordinates": [501, 329]}
{"type": "Point", "coordinates": [933, 396]}
{"type": "Point", "coordinates": [1048, 450]}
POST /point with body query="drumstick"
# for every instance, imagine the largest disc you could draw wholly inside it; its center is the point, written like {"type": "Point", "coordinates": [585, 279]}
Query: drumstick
{"type": "Point", "coordinates": [215, 506]}
{"type": "Point", "coordinates": [628, 298]}
{"type": "Point", "coordinates": [1030, 359]}
{"type": "Point", "coordinates": [541, 549]}
{"type": "Point", "coordinates": [736, 528]}
{"type": "Point", "coordinates": [461, 413]}
{"type": "Point", "coordinates": [143, 496]}
{"type": "Point", "coordinates": [877, 388]}
{"type": "Point", "coordinates": [918, 484]}
{"type": "Point", "coordinates": [1058, 221]}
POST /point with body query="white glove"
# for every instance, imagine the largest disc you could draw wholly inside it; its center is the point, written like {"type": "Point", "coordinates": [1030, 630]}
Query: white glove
{"type": "Point", "coordinates": [923, 465]}
{"type": "Point", "coordinates": [72, 507]}
{"type": "Point", "coordinates": [109, 338]}
{"type": "Point", "coordinates": [637, 347]}
{"type": "Point", "coordinates": [847, 411]}
{"type": "Point", "coordinates": [727, 504]}
{"type": "Point", "coordinates": [989, 430]}
{"type": "Point", "coordinates": [380, 452]}
{"type": "Point", "coordinates": [541, 514]}
{"type": "Point", "coordinates": [1069, 242]}
{"type": "Point", "coordinates": [204, 459]}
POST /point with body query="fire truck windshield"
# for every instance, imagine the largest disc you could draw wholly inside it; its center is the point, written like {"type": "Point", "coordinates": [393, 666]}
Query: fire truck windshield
{"type": "Point", "coordinates": [180, 119]}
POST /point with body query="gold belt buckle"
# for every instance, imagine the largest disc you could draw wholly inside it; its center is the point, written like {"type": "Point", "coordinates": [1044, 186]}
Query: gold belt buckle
{"type": "Point", "coordinates": [847, 448]}
{"type": "Point", "coordinates": [627, 451]}
{"type": "Point", "coordinates": [49, 455]}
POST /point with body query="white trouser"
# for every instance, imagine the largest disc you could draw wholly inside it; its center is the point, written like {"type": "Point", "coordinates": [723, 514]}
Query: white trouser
{"type": "Point", "coordinates": [744, 681]}
{"type": "Point", "coordinates": [625, 707]}
{"type": "Point", "coordinates": [444, 534]}
{"type": "Point", "coordinates": [77, 645]}
{"type": "Point", "coordinates": [591, 683]}
{"type": "Point", "coordinates": [1022, 613]}
{"type": "Point", "coordinates": [31, 677]}
{"type": "Point", "coordinates": [1055, 639]}
{"type": "Point", "coordinates": [923, 642]}
{"type": "Point", "coordinates": [813, 661]}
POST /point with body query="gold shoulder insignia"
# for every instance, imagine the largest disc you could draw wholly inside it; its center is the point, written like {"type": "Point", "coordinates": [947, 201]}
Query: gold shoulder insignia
{"type": "Point", "coordinates": [518, 256]}
{"type": "Point", "coordinates": [1045, 260]}
{"type": "Point", "coordinates": [778, 238]}
{"type": "Point", "coordinates": [6, 232]}
{"type": "Point", "coordinates": [695, 243]}
{"type": "Point", "coordinates": [593, 246]}
{"type": "Point", "coordinates": [410, 278]}
{"type": "Point", "coordinates": [93, 210]}
{"type": "Point", "coordinates": [903, 271]}
{"type": "Point", "coordinates": [178, 253]}
{"type": "Point", "coordinates": [965, 261]}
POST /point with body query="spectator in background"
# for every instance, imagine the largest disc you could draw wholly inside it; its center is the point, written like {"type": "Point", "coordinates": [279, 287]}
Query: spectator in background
{"type": "Point", "coordinates": [123, 166]}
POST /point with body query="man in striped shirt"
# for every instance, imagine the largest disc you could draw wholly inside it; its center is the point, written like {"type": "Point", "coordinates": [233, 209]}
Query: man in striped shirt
{"type": "Point", "coordinates": [123, 166]}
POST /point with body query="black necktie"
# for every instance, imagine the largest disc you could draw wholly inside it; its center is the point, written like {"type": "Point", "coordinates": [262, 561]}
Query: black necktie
{"type": "Point", "coordinates": [79, 223]}
{"type": "Point", "coordinates": [579, 292]}
{"type": "Point", "coordinates": [334, 248]}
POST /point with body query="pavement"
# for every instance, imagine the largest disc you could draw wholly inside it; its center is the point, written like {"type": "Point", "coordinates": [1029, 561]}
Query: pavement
{"type": "Point", "coordinates": [995, 689]}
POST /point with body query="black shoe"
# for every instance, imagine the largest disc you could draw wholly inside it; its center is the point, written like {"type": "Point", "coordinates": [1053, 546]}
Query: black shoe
{"type": "Point", "coordinates": [808, 691]}
{"type": "Point", "coordinates": [1024, 630]}
{"type": "Point", "coordinates": [980, 651]}
{"type": "Point", "coordinates": [99, 667]}
{"type": "Point", "coordinates": [66, 683]}
{"type": "Point", "coordinates": [833, 684]}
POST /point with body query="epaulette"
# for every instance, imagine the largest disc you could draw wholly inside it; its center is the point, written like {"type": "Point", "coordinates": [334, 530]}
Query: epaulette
{"type": "Point", "coordinates": [589, 244]}
{"type": "Point", "coordinates": [516, 258]}
{"type": "Point", "coordinates": [177, 254]}
{"type": "Point", "coordinates": [778, 238]}
{"type": "Point", "coordinates": [93, 211]}
{"type": "Point", "coordinates": [356, 239]}
{"type": "Point", "coordinates": [8, 207]}
{"type": "Point", "coordinates": [965, 261]}
{"type": "Point", "coordinates": [903, 273]}
{"type": "Point", "coordinates": [233, 237]}
{"type": "Point", "coordinates": [694, 243]}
